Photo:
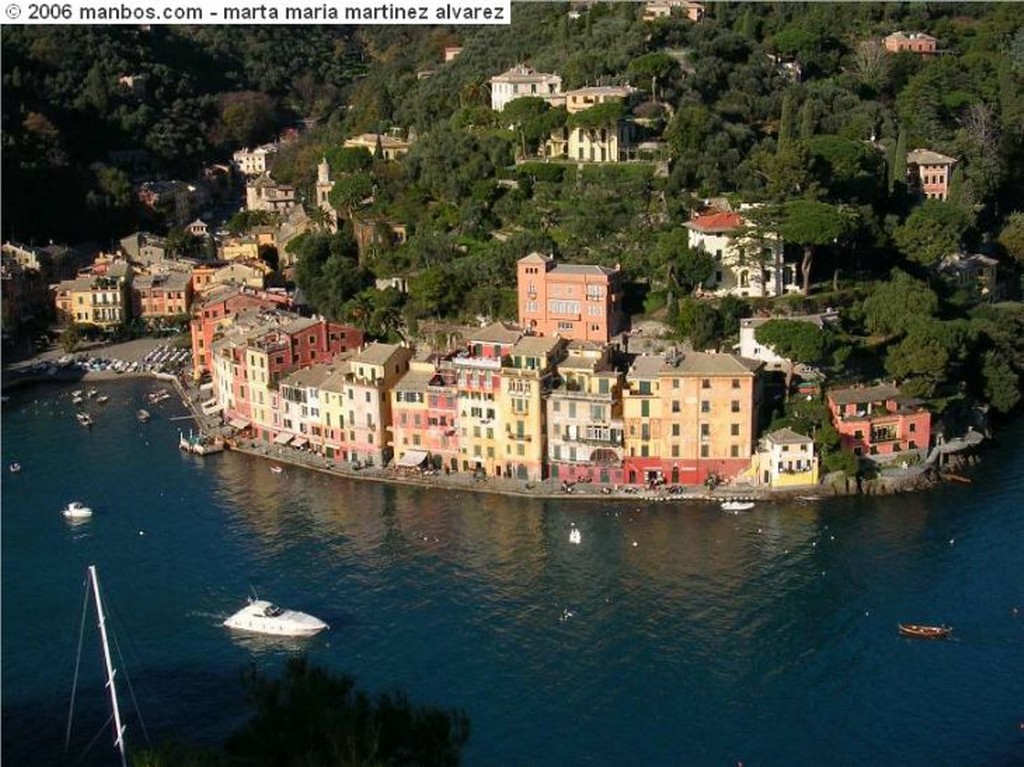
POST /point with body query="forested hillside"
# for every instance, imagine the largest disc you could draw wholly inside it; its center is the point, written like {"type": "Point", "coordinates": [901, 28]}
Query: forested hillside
{"type": "Point", "coordinates": [794, 107]}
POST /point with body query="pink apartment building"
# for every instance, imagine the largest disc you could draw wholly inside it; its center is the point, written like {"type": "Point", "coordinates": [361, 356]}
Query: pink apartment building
{"type": "Point", "coordinates": [879, 420]}
{"type": "Point", "coordinates": [574, 301]}
{"type": "Point", "coordinates": [930, 172]}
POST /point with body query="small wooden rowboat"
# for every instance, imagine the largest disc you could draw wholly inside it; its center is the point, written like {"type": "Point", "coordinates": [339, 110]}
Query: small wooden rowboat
{"type": "Point", "coordinates": [925, 632]}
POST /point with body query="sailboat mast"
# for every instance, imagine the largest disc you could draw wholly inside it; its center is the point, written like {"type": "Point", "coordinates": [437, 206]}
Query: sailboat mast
{"type": "Point", "coordinates": [118, 727]}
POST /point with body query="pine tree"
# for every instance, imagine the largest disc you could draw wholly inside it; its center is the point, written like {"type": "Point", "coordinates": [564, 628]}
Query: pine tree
{"type": "Point", "coordinates": [786, 121]}
{"type": "Point", "coordinates": [808, 120]}
{"type": "Point", "coordinates": [898, 165]}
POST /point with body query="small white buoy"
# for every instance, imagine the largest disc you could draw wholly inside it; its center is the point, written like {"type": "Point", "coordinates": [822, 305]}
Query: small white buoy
{"type": "Point", "coordinates": [141, 532]}
{"type": "Point", "coordinates": [635, 544]}
{"type": "Point", "coordinates": [952, 541]}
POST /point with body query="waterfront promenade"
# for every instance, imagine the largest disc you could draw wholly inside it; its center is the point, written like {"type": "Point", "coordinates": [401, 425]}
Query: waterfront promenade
{"type": "Point", "coordinates": [33, 370]}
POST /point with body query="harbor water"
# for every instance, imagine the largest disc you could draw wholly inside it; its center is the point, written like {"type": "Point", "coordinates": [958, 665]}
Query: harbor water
{"type": "Point", "coordinates": [670, 634]}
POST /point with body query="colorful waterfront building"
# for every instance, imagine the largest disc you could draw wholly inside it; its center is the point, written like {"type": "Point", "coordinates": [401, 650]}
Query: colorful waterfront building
{"type": "Point", "coordinates": [219, 307]}
{"type": "Point", "coordinates": [372, 373]}
{"type": "Point", "coordinates": [299, 418]}
{"type": "Point", "coordinates": [259, 349]}
{"type": "Point", "coordinates": [879, 420]}
{"type": "Point", "coordinates": [690, 417]}
{"type": "Point", "coordinates": [526, 375]}
{"type": "Point", "coordinates": [584, 417]}
{"type": "Point", "coordinates": [784, 459]}
{"type": "Point", "coordinates": [332, 411]}
{"type": "Point", "coordinates": [574, 301]}
{"type": "Point", "coordinates": [478, 381]}
{"type": "Point", "coordinates": [425, 416]}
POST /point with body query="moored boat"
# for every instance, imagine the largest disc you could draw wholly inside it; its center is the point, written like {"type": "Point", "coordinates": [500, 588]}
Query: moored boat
{"type": "Point", "coordinates": [142, 415]}
{"type": "Point", "coordinates": [737, 506]}
{"type": "Point", "coordinates": [103, 399]}
{"type": "Point", "coordinates": [262, 617]}
{"type": "Point", "coordinates": [276, 469]}
{"type": "Point", "coordinates": [15, 467]}
{"type": "Point", "coordinates": [84, 419]}
{"type": "Point", "coordinates": [76, 510]}
{"type": "Point", "coordinates": [200, 444]}
{"type": "Point", "coordinates": [924, 632]}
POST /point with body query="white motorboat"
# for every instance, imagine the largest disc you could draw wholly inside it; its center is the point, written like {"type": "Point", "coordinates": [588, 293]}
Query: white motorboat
{"type": "Point", "coordinates": [84, 419]}
{"type": "Point", "coordinates": [575, 536]}
{"type": "Point", "coordinates": [103, 399]}
{"type": "Point", "coordinates": [15, 467]}
{"type": "Point", "coordinates": [76, 510]}
{"type": "Point", "coordinates": [735, 506]}
{"type": "Point", "coordinates": [142, 415]}
{"type": "Point", "coordinates": [262, 617]}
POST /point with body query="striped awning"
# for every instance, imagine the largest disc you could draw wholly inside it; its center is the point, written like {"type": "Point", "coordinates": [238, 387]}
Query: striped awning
{"type": "Point", "coordinates": [300, 442]}
{"type": "Point", "coordinates": [238, 423]}
{"type": "Point", "coordinates": [283, 438]}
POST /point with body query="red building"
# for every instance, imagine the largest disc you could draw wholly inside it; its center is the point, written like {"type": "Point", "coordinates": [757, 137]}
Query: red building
{"type": "Point", "coordinates": [219, 308]}
{"type": "Point", "coordinates": [879, 420]}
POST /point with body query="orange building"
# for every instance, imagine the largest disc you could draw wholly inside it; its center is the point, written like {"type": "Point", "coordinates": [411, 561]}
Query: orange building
{"type": "Point", "coordinates": [914, 42]}
{"type": "Point", "coordinates": [689, 416]}
{"type": "Point", "coordinates": [161, 296]}
{"type": "Point", "coordinates": [575, 301]}
{"type": "Point", "coordinates": [930, 172]}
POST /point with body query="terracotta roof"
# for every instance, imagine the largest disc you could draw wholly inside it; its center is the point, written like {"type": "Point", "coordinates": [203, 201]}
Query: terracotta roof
{"type": "Point", "coordinates": [787, 437]}
{"type": "Point", "coordinates": [376, 354]}
{"type": "Point", "coordinates": [715, 222]}
{"type": "Point", "coordinates": [928, 157]}
{"type": "Point", "coordinates": [535, 346]}
{"type": "Point", "coordinates": [312, 377]}
{"type": "Point", "coordinates": [864, 394]}
{"type": "Point", "coordinates": [495, 333]}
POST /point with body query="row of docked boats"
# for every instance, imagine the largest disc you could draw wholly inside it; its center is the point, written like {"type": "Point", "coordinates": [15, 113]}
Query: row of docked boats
{"type": "Point", "coordinates": [200, 444]}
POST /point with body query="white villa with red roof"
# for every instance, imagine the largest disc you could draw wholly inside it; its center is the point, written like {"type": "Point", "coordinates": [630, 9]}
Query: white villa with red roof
{"type": "Point", "coordinates": [744, 265]}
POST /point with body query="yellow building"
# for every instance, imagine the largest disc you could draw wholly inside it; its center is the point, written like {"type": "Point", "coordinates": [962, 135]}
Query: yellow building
{"type": "Point", "coordinates": [478, 378]}
{"type": "Point", "coordinates": [526, 374]}
{"type": "Point", "coordinates": [102, 300]}
{"type": "Point", "coordinates": [240, 249]}
{"type": "Point", "coordinates": [785, 459]}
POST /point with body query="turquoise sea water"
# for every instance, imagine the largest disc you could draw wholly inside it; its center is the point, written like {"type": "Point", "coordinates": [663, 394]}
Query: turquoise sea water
{"type": "Point", "coordinates": [696, 637]}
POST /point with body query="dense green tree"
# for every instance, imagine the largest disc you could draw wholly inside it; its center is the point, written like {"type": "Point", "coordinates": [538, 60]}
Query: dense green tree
{"type": "Point", "coordinates": [327, 269]}
{"type": "Point", "coordinates": [349, 191]}
{"type": "Point", "coordinates": [1002, 383]}
{"type": "Point", "coordinates": [894, 306]}
{"type": "Point", "coordinates": [1012, 237]}
{"type": "Point", "coordinates": [933, 231]}
{"type": "Point", "coordinates": [919, 361]}
{"type": "Point", "coordinates": [700, 322]}
{"type": "Point", "coordinates": [811, 224]}
{"type": "Point", "coordinates": [898, 163]}
{"type": "Point", "coordinates": [797, 341]}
